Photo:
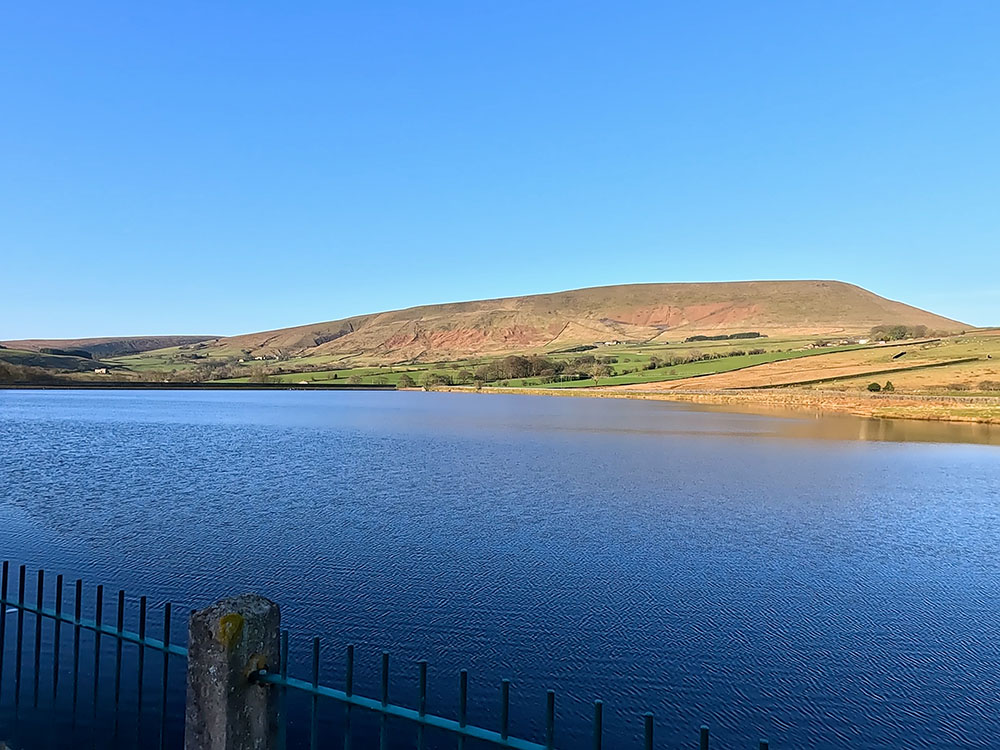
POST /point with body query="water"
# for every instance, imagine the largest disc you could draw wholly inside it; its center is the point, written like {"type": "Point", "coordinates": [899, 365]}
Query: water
{"type": "Point", "coordinates": [768, 575]}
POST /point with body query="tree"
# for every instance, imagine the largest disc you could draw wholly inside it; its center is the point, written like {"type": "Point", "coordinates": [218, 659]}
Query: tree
{"type": "Point", "coordinates": [432, 379]}
{"type": "Point", "coordinates": [898, 332]}
{"type": "Point", "coordinates": [888, 387]}
{"type": "Point", "coordinates": [258, 375]}
{"type": "Point", "coordinates": [405, 381]}
{"type": "Point", "coordinates": [874, 387]}
{"type": "Point", "coordinates": [601, 371]}
{"type": "Point", "coordinates": [354, 380]}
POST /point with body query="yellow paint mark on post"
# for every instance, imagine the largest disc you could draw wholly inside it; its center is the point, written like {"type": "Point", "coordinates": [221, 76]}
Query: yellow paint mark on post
{"type": "Point", "coordinates": [230, 629]}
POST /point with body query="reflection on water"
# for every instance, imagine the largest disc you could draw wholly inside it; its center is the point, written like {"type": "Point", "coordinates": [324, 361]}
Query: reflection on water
{"type": "Point", "coordinates": [807, 579]}
{"type": "Point", "coordinates": [826, 426]}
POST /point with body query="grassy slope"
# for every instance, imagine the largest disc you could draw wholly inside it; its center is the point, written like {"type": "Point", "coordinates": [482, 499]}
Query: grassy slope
{"type": "Point", "coordinates": [961, 379]}
{"type": "Point", "coordinates": [930, 369]}
{"type": "Point", "coordinates": [25, 358]}
{"type": "Point", "coordinates": [874, 373]}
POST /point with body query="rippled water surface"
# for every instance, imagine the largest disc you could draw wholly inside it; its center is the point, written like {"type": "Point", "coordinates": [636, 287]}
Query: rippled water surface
{"type": "Point", "coordinates": [768, 576]}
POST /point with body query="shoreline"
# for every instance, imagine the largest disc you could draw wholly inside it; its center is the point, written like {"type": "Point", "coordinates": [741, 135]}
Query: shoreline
{"type": "Point", "coordinates": [961, 409]}
{"type": "Point", "coordinates": [139, 385]}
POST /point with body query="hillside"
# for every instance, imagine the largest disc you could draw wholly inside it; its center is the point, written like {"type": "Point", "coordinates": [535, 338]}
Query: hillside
{"type": "Point", "coordinates": [106, 347]}
{"type": "Point", "coordinates": [34, 358]}
{"type": "Point", "coordinates": [547, 322]}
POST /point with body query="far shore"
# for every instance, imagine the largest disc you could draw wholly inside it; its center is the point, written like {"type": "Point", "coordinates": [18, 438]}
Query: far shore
{"type": "Point", "coordinates": [967, 409]}
{"type": "Point", "coordinates": [145, 385]}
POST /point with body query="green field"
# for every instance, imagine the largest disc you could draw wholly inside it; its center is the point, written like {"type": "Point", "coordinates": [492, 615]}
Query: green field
{"type": "Point", "coordinates": [371, 375]}
{"type": "Point", "coordinates": [679, 372]}
{"type": "Point", "coordinates": [173, 358]}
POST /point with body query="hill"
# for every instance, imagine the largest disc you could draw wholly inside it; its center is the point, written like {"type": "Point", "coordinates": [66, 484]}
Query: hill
{"type": "Point", "coordinates": [105, 347]}
{"type": "Point", "coordinates": [547, 322]}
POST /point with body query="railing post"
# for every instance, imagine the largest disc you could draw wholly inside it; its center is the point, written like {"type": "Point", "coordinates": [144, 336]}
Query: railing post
{"type": "Point", "coordinates": [227, 643]}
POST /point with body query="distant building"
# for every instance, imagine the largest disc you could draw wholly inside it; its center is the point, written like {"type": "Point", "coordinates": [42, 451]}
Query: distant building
{"type": "Point", "coordinates": [101, 371]}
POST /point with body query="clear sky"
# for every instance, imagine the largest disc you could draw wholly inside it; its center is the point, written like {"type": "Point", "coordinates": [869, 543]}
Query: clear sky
{"type": "Point", "coordinates": [213, 167]}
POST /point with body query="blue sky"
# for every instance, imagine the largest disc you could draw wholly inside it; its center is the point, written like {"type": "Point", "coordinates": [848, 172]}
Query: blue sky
{"type": "Point", "coordinates": [229, 167]}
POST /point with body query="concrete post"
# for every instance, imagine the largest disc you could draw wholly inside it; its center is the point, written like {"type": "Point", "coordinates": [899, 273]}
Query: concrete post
{"type": "Point", "coordinates": [227, 642]}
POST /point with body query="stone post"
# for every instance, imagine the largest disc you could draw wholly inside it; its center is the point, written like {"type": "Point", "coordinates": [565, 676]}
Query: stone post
{"type": "Point", "coordinates": [227, 642]}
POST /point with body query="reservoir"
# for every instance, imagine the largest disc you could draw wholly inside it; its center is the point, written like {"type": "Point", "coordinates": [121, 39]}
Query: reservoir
{"type": "Point", "coordinates": [824, 582]}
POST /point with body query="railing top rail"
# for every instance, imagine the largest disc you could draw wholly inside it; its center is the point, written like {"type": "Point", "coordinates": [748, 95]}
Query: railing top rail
{"type": "Point", "coordinates": [92, 625]}
{"type": "Point", "coordinates": [399, 712]}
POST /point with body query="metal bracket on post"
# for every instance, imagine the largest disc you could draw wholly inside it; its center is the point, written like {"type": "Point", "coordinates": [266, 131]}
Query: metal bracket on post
{"type": "Point", "coordinates": [228, 643]}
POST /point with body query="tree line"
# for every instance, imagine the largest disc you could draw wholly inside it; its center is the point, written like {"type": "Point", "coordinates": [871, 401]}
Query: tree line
{"type": "Point", "coordinates": [11, 373]}
{"type": "Point", "coordinates": [899, 332]}
{"type": "Point", "coordinates": [727, 337]}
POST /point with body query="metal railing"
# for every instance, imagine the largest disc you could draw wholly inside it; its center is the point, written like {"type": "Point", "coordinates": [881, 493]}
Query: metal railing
{"type": "Point", "coordinates": [76, 623]}
{"type": "Point", "coordinates": [419, 716]}
{"type": "Point", "coordinates": [170, 652]}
